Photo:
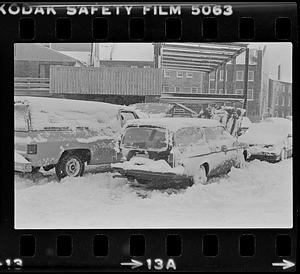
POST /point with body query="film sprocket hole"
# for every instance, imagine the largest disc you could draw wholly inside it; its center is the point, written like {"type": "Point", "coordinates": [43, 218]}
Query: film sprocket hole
{"type": "Point", "coordinates": [148, 136]}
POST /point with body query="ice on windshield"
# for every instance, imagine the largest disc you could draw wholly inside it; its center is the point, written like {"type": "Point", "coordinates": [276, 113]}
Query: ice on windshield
{"type": "Point", "coordinates": [145, 138]}
{"type": "Point", "coordinates": [188, 136]}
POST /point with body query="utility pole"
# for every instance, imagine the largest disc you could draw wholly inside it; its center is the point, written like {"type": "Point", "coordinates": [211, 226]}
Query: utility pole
{"type": "Point", "coordinates": [91, 55]}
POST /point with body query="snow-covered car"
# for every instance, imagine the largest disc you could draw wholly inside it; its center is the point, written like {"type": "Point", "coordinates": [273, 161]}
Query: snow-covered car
{"type": "Point", "coordinates": [160, 110]}
{"type": "Point", "coordinates": [269, 140]}
{"type": "Point", "coordinates": [176, 149]}
{"type": "Point", "coordinates": [153, 110]}
{"type": "Point", "coordinates": [278, 121]}
{"type": "Point", "coordinates": [245, 125]}
{"type": "Point", "coordinates": [65, 134]}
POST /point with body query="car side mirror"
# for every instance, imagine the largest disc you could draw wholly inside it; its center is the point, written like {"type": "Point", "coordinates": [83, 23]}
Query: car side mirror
{"type": "Point", "coordinates": [289, 135]}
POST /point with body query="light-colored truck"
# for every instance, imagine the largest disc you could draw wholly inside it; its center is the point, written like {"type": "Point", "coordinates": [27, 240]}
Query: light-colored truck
{"type": "Point", "coordinates": [66, 134]}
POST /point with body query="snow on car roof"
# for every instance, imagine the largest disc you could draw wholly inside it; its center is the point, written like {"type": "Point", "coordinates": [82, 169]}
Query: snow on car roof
{"type": "Point", "coordinates": [173, 124]}
{"type": "Point", "coordinates": [66, 104]}
{"type": "Point", "coordinates": [151, 110]}
{"type": "Point", "coordinates": [56, 112]}
{"type": "Point", "coordinates": [266, 133]}
{"type": "Point", "coordinates": [152, 107]}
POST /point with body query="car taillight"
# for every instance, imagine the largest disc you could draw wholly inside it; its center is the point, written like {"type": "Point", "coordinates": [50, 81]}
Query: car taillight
{"type": "Point", "coordinates": [31, 149]}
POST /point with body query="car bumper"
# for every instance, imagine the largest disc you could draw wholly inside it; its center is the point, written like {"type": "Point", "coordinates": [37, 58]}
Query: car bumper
{"type": "Point", "coordinates": [265, 156]}
{"type": "Point", "coordinates": [155, 179]}
{"type": "Point", "coordinates": [23, 167]}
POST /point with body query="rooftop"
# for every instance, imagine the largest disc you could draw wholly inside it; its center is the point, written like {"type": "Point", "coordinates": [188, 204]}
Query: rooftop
{"type": "Point", "coordinates": [37, 52]}
{"type": "Point", "coordinates": [203, 57]}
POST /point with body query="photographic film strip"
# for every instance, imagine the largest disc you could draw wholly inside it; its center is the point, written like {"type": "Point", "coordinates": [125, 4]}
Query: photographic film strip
{"type": "Point", "coordinates": [148, 136]}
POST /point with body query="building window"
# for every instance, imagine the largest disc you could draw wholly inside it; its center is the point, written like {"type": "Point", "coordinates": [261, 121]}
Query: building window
{"type": "Point", "coordinates": [134, 66]}
{"type": "Point", "coordinates": [277, 101]}
{"type": "Point", "coordinates": [195, 89]}
{"type": "Point", "coordinates": [212, 91]}
{"type": "Point", "coordinates": [250, 75]}
{"type": "Point", "coordinates": [282, 103]}
{"type": "Point", "coordinates": [250, 94]}
{"type": "Point", "coordinates": [289, 102]}
{"type": "Point", "coordinates": [177, 89]}
{"type": "Point", "coordinates": [166, 73]}
{"type": "Point", "coordinates": [221, 75]}
{"type": "Point", "coordinates": [189, 75]}
{"type": "Point", "coordinates": [221, 91]}
{"type": "Point", "coordinates": [166, 88]}
{"type": "Point", "coordinates": [240, 75]}
{"type": "Point", "coordinates": [212, 76]}
{"type": "Point", "coordinates": [239, 91]}
{"type": "Point", "coordinates": [187, 89]}
{"type": "Point", "coordinates": [179, 74]}
{"type": "Point", "coordinates": [146, 66]}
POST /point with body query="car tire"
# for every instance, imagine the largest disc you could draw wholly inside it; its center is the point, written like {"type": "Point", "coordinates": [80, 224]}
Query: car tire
{"type": "Point", "coordinates": [35, 169]}
{"type": "Point", "coordinates": [69, 165]}
{"type": "Point", "coordinates": [200, 177]}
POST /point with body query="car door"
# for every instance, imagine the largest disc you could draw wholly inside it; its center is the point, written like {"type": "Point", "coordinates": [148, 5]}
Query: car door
{"type": "Point", "coordinates": [191, 148]}
{"type": "Point", "coordinates": [221, 148]}
{"type": "Point", "coordinates": [230, 147]}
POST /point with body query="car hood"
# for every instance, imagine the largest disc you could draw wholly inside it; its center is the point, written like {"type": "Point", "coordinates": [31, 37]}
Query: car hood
{"type": "Point", "coordinates": [265, 134]}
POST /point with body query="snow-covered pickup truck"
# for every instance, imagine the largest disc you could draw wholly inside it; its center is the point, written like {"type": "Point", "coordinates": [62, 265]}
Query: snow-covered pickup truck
{"type": "Point", "coordinates": [65, 134]}
{"type": "Point", "coordinates": [176, 149]}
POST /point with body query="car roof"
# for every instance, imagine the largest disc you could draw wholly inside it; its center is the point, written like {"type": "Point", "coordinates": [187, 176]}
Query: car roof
{"type": "Point", "coordinates": [173, 124]}
{"type": "Point", "coordinates": [54, 103]}
{"type": "Point", "coordinates": [56, 112]}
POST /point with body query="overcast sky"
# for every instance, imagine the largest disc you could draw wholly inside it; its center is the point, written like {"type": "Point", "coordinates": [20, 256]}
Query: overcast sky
{"type": "Point", "coordinates": [277, 54]}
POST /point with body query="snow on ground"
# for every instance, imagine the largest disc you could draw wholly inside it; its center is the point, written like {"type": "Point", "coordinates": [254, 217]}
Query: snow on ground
{"type": "Point", "coordinates": [259, 195]}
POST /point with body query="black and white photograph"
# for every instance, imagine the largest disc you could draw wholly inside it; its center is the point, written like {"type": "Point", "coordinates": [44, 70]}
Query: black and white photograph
{"type": "Point", "coordinates": [153, 135]}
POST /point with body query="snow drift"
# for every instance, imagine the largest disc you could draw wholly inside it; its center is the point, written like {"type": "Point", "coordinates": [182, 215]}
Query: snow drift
{"type": "Point", "coordinates": [257, 196]}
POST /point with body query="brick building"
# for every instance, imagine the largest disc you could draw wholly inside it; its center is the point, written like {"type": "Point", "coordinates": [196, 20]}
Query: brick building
{"type": "Point", "coordinates": [176, 81]}
{"type": "Point", "coordinates": [192, 82]}
{"type": "Point", "coordinates": [280, 98]}
{"type": "Point", "coordinates": [234, 82]}
{"type": "Point", "coordinates": [34, 60]}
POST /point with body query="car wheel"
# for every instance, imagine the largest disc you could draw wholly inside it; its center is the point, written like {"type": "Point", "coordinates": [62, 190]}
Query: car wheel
{"type": "Point", "coordinates": [200, 177]}
{"type": "Point", "coordinates": [69, 165]}
{"type": "Point", "coordinates": [35, 169]}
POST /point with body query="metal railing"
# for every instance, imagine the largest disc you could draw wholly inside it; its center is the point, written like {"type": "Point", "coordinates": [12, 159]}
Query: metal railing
{"type": "Point", "coordinates": [31, 83]}
{"type": "Point", "coordinates": [31, 86]}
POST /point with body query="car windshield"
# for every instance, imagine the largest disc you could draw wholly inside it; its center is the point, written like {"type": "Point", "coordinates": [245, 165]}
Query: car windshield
{"type": "Point", "coordinates": [188, 136]}
{"type": "Point", "coordinates": [149, 138]}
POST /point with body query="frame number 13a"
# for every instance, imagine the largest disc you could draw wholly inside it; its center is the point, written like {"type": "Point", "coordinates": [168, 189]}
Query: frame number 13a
{"type": "Point", "coordinates": [159, 264]}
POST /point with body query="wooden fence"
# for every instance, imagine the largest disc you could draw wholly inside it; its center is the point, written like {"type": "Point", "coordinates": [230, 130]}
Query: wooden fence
{"type": "Point", "coordinates": [107, 80]}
